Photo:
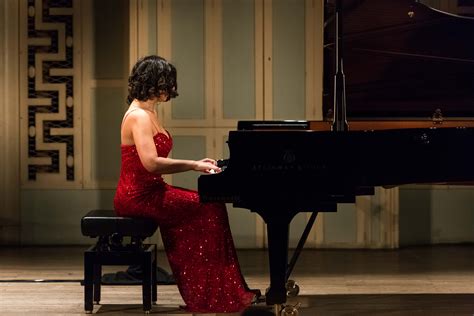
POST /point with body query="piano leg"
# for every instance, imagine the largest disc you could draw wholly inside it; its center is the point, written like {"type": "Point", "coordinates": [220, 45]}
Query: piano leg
{"type": "Point", "coordinates": [278, 231]}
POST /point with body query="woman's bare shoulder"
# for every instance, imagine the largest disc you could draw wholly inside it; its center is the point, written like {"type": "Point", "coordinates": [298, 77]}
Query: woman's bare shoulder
{"type": "Point", "coordinates": [136, 120]}
{"type": "Point", "coordinates": [134, 116]}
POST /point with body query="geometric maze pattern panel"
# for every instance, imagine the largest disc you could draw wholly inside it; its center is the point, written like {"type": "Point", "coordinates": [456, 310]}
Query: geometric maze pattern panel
{"type": "Point", "coordinates": [50, 92]}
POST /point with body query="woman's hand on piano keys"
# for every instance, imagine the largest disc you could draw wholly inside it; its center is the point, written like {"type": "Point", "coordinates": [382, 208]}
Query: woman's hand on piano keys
{"type": "Point", "coordinates": [207, 165]}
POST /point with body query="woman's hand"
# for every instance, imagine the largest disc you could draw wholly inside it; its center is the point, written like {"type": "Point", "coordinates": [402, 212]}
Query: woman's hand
{"type": "Point", "coordinates": [207, 165]}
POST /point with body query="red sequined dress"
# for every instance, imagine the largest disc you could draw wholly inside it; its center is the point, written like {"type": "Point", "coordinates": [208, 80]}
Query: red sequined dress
{"type": "Point", "coordinates": [196, 236]}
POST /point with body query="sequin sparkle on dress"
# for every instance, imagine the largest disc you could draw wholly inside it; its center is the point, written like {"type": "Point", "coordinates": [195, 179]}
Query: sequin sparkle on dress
{"type": "Point", "coordinates": [196, 235]}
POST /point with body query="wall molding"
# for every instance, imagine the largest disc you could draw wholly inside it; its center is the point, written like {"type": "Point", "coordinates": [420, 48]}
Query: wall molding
{"type": "Point", "coordinates": [10, 226]}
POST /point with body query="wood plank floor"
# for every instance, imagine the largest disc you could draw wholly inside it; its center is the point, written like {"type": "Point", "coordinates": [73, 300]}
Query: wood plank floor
{"type": "Point", "coordinates": [435, 280]}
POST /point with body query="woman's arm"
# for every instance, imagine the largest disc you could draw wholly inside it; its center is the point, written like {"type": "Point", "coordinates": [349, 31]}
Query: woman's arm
{"type": "Point", "coordinates": [169, 165]}
{"type": "Point", "coordinates": [142, 132]}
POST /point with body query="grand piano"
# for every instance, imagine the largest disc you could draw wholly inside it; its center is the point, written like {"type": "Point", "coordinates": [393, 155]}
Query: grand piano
{"type": "Point", "coordinates": [406, 73]}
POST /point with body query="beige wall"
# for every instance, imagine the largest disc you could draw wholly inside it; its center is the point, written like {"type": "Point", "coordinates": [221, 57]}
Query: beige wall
{"type": "Point", "coordinates": [231, 63]}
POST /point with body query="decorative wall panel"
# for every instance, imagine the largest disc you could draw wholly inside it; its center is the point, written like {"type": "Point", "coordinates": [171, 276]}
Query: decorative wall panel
{"type": "Point", "coordinates": [50, 106]}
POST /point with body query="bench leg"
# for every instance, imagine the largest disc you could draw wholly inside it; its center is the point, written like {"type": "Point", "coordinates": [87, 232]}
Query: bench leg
{"type": "Point", "coordinates": [88, 283]}
{"type": "Point", "coordinates": [147, 277]}
{"type": "Point", "coordinates": [154, 290]}
{"type": "Point", "coordinates": [97, 282]}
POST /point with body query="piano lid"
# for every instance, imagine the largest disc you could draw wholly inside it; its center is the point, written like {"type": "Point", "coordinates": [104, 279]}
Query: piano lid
{"type": "Point", "coordinates": [402, 59]}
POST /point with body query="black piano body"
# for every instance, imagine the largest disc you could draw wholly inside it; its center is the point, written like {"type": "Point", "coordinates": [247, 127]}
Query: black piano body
{"type": "Point", "coordinates": [410, 99]}
{"type": "Point", "coordinates": [278, 174]}
{"type": "Point", "coordinates": [274, 168]}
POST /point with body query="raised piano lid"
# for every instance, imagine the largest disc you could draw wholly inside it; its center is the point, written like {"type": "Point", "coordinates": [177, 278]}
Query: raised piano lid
{"type": "Point", "coordinates": [402, 59]}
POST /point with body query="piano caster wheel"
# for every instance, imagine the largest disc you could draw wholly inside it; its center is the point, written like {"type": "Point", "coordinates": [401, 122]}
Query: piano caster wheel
{"type": "Point", "coordinates": [147, 312]}
{"type": "Point", "coordinates": [88, 312]}
{"type": "Point", "coordinates": [292, 289]}
{"type": "Point", "coordinates": [290, 310]}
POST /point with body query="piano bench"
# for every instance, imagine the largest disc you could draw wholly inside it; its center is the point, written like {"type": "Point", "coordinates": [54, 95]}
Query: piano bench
{"type": "Point", "coordinates": [110, 249]}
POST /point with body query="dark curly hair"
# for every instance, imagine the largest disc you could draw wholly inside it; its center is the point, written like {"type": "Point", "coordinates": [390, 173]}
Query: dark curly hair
{"type": "Point", "coordinates": [151, 76]}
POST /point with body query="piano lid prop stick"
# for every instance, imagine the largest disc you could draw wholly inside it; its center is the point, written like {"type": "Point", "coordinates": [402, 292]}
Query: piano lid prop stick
{"type": "Point", "coordinates": [340, 116]}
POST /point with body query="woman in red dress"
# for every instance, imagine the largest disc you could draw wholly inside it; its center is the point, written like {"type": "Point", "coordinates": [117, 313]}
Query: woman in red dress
{"type": "Point", "coordinates": [196, 236]}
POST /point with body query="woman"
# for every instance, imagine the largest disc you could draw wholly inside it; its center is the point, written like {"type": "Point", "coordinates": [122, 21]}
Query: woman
{"type": "Point", "coordinates": [196, 236]}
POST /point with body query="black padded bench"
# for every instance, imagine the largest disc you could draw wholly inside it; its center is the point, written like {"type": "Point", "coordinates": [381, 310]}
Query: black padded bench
{"type": "Point", "coordinates": [111, 250]}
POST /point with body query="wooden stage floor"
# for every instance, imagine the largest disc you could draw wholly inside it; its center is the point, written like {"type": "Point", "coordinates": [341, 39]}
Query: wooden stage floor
{"type": "Point", "coordinates": [435, 280]}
